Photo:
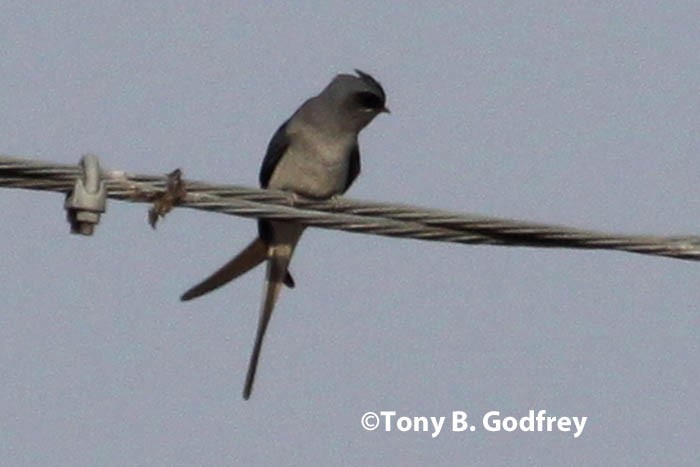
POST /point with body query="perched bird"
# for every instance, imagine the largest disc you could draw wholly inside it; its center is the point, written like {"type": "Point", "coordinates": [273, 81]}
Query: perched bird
{"type": "Point", "coordinates": [314, 154]}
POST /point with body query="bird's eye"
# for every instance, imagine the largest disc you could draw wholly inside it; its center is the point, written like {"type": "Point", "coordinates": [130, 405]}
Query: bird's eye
{"type": "Point", "coordinates": [367, 100]}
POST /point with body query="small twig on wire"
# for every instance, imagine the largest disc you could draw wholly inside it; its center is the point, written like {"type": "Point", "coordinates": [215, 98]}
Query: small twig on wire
{"type": "Point", "coordinates": [173, 195]}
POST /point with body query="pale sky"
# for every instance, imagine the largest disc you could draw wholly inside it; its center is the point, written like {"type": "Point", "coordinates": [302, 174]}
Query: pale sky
{"type": "Point", "coordinates": [583, 115]}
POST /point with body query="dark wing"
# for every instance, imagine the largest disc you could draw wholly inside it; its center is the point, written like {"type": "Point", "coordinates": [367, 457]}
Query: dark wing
{"type": "Point", "coordinates": [278, 145]}
{"type": "Point", "coordinates": [354, 168]}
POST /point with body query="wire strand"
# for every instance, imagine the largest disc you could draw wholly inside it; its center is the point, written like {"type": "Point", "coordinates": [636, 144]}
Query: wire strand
{"type": "Point", "coordinates": [390, 220]}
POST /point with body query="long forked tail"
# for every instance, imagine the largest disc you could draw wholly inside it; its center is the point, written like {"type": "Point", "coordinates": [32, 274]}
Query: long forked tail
{"type": "Point", "coordinates": [254, 254]}
{"type": "Point", "coordinates": [276, 272]}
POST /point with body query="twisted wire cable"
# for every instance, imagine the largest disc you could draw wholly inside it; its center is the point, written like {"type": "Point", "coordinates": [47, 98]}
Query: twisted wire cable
{"type": "Point", "coordinates": [345, 214]}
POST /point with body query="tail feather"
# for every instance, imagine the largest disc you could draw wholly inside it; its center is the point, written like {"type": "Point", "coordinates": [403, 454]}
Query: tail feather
{"type": "Point", "coordinates": [254, 254]}
{"type": "Point", "coordinates": [276, 274]}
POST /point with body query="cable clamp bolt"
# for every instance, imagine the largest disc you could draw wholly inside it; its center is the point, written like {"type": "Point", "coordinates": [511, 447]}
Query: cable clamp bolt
{"type": "Point", "coordinates": [88, 199]}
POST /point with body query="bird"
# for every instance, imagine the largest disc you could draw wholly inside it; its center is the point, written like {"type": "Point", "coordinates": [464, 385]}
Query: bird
{"type": "Point", "coordinates": [313, 154]}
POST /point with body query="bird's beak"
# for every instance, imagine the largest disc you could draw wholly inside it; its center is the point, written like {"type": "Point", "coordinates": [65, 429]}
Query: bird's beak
{"type": "Point", "coordinates": [385, 110]}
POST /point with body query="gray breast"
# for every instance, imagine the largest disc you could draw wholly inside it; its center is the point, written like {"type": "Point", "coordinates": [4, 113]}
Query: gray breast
{"type": "Point", "coordinates": [314, 165]}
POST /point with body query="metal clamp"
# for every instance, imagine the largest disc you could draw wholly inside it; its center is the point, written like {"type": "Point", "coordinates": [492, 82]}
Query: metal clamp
{"type": "Point", "coordinates": [88, 199]}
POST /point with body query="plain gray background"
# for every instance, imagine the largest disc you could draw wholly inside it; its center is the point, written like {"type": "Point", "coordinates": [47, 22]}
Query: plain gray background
{"type": "Point", "coordinates": [580, 114]}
